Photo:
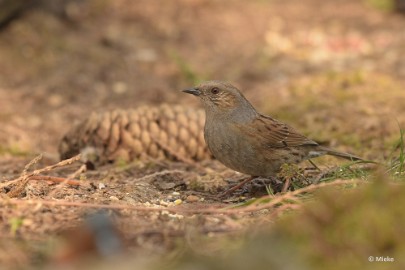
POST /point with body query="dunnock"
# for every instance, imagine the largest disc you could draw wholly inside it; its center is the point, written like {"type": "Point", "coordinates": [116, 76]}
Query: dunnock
{"type": "Point", "coordinates": [247, 141]}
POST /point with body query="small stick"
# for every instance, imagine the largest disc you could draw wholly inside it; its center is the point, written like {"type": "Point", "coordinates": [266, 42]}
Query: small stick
{"type": "Point", "coordinates": [30, 164]}
{"type": "Point", "coordinates": [324, 173]}
{"type": "Point", "coordinates": [57, 165]}
{"type": "Point", "coordinates": [24, 178]}
{"type": "Point", "coordinates": [241, 184]}
{"type": "Point", "coordinates": [82, 169]}
{"type": "Point", "coordinates": [55, 179]}
{"type": "Point", "coordinates": [313, 164]}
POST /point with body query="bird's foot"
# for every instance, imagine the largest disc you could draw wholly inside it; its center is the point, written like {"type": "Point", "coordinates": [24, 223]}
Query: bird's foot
{"type": "Point", "coordinates": [269, 185]}
{"type": "Point", "coordinates": [256, 185]}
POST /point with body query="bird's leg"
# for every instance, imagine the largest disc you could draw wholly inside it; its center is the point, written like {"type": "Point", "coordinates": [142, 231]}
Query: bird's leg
{"type": "Point", "coordinates": [273, 182]}
{"type": "Point", "coordinates": [286, 184]}
{"type": "Point", "coordinates": [232, 189]}
{"type": "Point", "coordinates": [234, 181]}
{"type": "Point", "coordinates": [262, 182]}
{"type": "Point", "coordinates": [313, 164]}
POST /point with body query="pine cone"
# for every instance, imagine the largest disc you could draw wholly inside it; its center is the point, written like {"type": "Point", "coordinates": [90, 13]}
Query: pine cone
{"type": "Point", "coordinates": [157, 132]}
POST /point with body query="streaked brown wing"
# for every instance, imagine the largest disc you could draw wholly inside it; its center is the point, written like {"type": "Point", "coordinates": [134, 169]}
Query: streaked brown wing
{"type": "Point", "coordinates": [274, 133]}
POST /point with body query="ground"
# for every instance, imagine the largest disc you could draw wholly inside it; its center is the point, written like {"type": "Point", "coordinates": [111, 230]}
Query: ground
{"type": "Point", "coordinates": [332, 69]}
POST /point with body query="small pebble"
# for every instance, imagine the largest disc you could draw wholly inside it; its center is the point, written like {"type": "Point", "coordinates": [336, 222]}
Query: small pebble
{"type": "Point", "coordinates": [192, 198]}
{"type": "Point", "coordinates": [175, 216]}
{"type": "Point", "coordinates": [166, 186]}
{"type": "Point", "coordinates": [101, 186]}
{"type": "Point", "coordinates": [129, 199]}
{"type": "Point", "coordinates": [178, 201]}
{"type": "Point", "coordinates": [163, 203]}
{"type": "Point", "coordinates": [113, 198]}
{"type": "Point", "coordinates": [175, 193]}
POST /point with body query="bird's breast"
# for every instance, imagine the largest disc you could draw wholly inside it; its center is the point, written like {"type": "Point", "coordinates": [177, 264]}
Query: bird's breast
{"type": "Point", "coordinates": [233, 149]}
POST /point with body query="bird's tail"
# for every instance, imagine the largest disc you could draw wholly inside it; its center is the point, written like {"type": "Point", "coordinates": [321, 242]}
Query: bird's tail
{"type": "Point", "coordinates": [341, 154]}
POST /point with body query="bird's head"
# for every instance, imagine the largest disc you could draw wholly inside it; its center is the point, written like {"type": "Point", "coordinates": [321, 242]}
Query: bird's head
{"type": "Point", "coordinates": [221, 98]}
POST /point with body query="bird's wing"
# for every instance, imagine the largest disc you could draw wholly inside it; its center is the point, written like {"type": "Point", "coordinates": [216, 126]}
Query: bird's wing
{"type": "Point", "coordinates": [274, 133]}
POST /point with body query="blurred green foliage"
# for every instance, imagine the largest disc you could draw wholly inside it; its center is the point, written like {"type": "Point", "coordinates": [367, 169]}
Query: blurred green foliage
{"type": "Point", "coordinates": [13, 150]}
{"type": "Point", "coordinates": [384, 5]}
{"type": "Point", "coordinates": [340, 229]}
{"type": "Point", "coordinates": [186, 71]}
{"type": "Point", "coordinates": [15, 223]}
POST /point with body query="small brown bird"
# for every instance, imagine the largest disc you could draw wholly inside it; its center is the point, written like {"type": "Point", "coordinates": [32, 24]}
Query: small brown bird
{"type": "Point", "coordinates": [247, 141]}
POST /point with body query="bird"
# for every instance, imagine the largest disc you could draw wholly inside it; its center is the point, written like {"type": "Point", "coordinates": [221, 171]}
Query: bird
{"type": "Point", "coordinates": [247, 141]}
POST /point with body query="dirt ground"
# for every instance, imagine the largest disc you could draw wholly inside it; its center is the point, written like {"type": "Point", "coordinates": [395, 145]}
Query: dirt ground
{"type": "Point", "coordinates": [333, 69]}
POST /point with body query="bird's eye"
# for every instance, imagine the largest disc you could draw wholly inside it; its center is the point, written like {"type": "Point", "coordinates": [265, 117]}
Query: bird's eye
{"type": "Point", "coordinates": [215, 90]}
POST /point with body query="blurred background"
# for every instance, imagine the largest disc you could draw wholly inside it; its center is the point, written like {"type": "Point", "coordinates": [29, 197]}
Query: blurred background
{"type": "Point", "coordinates": [334, 69]}
{"type": "Point", "coordinates": [327, 67]}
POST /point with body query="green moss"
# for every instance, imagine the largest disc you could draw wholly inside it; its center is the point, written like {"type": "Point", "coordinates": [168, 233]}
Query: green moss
{"type": "Point", "coordinates": [383, 5]}
{"type": "Point", "coordinates": [13, 150]}
{"type": "Point", "coordinates": [340, 230]}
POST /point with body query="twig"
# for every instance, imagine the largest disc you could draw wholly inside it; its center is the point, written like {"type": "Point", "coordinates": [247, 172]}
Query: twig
{"type": "Point", "coordinates": [323, 174]}
{"type": "Point", "coordinates": [30, 164]}
{"type": "Point", "coordinates": [8, 183]}
{"type": "Point", "coordinates": [314, 165]}
{"type": "Point", "coordinates": [24, 178]}
{"type": "Point", "coordinates": [57, 165]}
{"type": "Point", "coordinates": [232, 189]}
{"type": "Point", "coordinates": [55, 179]}
{"type": "Point", "coordinates": [79, 171]}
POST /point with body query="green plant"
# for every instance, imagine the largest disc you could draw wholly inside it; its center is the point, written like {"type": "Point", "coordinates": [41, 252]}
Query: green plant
{"type": "Point", "coordinates": [396, 164]}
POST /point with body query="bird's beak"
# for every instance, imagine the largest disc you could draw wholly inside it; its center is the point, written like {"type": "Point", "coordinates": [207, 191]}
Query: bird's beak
{"type": "Point", "coordinates": [193, 91]}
